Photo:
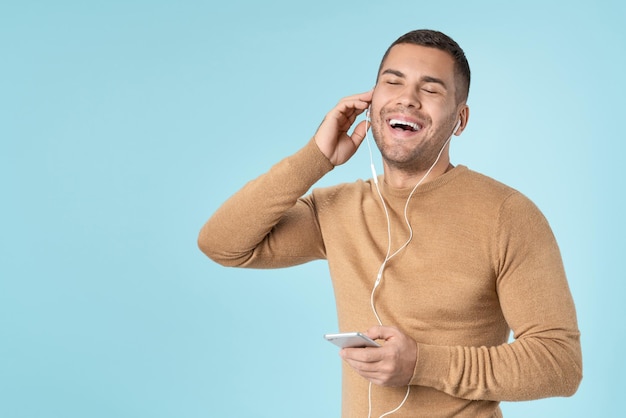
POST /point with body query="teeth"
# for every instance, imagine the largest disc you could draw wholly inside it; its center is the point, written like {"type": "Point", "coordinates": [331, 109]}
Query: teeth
{"type": "Point", "coordinates": [396, 123]}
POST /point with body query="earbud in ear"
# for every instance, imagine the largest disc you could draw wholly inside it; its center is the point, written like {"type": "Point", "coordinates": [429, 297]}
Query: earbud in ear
{"type": "Point", "coordinates": [367, 112]}
{"type": "Point", "coordinates": [456, 128]}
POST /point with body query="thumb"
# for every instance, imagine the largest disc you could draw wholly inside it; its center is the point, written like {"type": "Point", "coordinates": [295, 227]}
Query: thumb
{"type": "Point", "coordinates": [359, 133]}
{"type": "Point", "coordinates": [381, 332]}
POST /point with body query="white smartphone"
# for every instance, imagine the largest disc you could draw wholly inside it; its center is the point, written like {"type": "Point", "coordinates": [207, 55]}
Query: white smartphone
{"type": "Point", "coordinates": [351, 339]}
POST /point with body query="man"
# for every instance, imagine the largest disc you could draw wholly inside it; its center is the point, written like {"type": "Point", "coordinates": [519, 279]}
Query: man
{"type": "Point", "coordinates": [437, 262]}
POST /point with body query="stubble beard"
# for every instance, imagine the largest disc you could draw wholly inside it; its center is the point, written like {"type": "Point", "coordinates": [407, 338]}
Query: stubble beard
{"type": "Point", "coordinates": [412, 159]}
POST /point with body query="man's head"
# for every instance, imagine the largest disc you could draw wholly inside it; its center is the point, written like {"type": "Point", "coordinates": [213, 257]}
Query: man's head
{"type": "Point", "coordinates": [419, 98]}
{"type": "Point", "coordinates": [441, 41]}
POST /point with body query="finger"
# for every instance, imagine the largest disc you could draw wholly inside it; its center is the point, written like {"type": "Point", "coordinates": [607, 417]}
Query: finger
{"type": "Point", "coordinates": [373, 372]}
{"type": "Point", "coordinates": [341, 118]}
{"type": "Point", "coordinates": [362, 355]}
{"type": "Point", "coordinates": [384, 373]}
{"type": "Point", "coordinates": [357, 103]}
{"type": "Point", "coordinates": [381, 332]}
{"type": "Point", "coordinates": [352, 106]}
{"type": "Point", "coordinates": [375, 332]}
{"type": "Point", "coordinates": [365, 97]}
{"type": "Point", "coordinates": [359, 133]}
{"type": "Point", "coordinates": [347, 111]}
{"type": "Point", "coordinates": [363, 366]}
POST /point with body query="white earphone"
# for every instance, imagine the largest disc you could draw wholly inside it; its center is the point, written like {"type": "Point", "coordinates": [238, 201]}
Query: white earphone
{"type": "Point", "coordinates": [456, 128]}
{"type": "Point", "coordinates": [389, 256]}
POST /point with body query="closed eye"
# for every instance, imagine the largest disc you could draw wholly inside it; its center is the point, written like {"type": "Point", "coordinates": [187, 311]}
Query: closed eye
{"type": "Point", "coordinates": [431, 89]}
{"type": "Point", "coordinates": [393, 81]}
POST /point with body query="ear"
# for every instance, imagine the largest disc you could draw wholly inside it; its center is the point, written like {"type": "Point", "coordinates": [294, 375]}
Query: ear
{"type": "Point", "coordinates": [463, 117]}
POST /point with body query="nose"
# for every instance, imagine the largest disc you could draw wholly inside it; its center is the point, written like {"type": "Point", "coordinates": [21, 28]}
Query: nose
{"type": "Point", "coordinates": [409, 98]}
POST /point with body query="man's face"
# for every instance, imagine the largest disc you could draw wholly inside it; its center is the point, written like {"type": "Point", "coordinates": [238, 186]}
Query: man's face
{"type": "Point", "coordinates": [414, 108]}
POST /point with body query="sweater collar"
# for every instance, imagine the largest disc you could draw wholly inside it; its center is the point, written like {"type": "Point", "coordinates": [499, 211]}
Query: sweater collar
{"type": "Point", "coordinates": [440, 181]}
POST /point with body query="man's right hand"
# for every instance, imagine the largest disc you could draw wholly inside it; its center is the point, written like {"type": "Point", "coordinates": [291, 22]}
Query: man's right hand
{"type": "Point", "coordinates": [332, 135]}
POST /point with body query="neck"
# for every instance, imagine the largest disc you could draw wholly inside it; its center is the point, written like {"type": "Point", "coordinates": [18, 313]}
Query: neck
{"type": "Point", "coordinates": [401, 178]}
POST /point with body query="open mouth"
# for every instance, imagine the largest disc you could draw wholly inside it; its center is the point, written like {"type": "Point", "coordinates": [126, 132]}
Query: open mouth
{"type": "Point", "coordinates": [403, 125]}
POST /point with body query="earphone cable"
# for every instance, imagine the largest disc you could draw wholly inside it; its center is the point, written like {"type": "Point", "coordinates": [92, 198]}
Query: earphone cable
{"type": "Point", "coordinates": [389, 256]}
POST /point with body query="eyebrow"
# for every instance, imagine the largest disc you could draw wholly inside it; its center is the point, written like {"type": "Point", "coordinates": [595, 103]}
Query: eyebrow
{"type": "Point", "coordinates": [393, 72]}
{"type": "Point", "coordinates": [425, 79]}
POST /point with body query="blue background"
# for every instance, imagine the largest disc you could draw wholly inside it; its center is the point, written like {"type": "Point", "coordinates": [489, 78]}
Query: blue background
{"type": "Point", "coordinates": [125, 124]}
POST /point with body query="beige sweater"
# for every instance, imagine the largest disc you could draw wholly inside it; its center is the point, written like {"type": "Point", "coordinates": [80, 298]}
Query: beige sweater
{"type": "Point", "coordinates": [482, 261]}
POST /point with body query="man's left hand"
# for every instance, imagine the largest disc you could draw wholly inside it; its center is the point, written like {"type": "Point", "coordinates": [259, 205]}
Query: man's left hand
{"type": "Point", "coordinates": [389, 365]}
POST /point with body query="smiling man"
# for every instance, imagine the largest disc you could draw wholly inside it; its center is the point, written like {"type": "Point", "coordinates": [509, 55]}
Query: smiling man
{"type": "Point", "coordinates": [414, 108]}
{"type": "Point", "coordinates": [437, 262]}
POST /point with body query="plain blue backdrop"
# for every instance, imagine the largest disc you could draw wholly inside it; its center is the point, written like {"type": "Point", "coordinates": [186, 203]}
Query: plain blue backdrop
{"type": "Point", "coordinates": [125, 124]}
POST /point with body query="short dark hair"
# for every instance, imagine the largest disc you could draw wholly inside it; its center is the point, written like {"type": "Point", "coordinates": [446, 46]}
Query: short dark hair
{"type": "Point", "coordinates": [439, 40]}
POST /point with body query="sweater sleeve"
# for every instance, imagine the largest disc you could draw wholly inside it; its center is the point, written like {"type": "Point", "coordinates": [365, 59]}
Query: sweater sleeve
{"type": "Point", "coordinates": [545, 357]}
{"type": "Point", "coordinates": [267, 224]}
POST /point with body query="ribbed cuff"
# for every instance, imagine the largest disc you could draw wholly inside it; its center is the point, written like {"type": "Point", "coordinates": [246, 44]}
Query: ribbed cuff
{"type": "Point", "coordinates": [432, 366]}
